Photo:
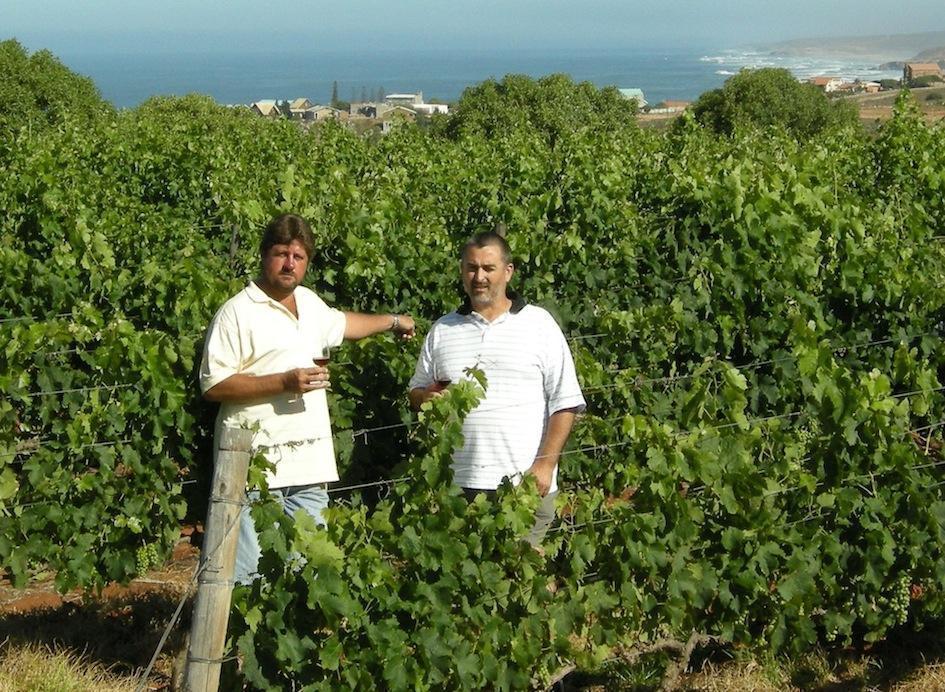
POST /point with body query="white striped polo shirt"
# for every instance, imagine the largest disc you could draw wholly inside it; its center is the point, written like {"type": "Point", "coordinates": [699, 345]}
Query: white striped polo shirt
{"type": "Point", "coordinates": [530, 374]}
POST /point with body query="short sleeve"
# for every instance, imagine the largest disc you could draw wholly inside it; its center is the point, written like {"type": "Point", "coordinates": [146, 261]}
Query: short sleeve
{"type": "Point", "coordinates": [423, 373]}
{"type": "Point", "coordinates": [222, 352]}
{"type": "Point", "coordinates": [562, 389]}
{"type": "Point", "coordinates": [335, 323]}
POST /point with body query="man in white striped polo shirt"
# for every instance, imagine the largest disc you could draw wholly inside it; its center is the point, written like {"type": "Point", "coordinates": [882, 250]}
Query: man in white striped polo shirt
{"type": "Point", "coordinates": [524, 420]}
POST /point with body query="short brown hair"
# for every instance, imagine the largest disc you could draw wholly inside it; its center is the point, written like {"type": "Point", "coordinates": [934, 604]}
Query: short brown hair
{"type": "Point", "coordinates": [285, 228]}
{"type": "Point", "coordinates": [486, 238]}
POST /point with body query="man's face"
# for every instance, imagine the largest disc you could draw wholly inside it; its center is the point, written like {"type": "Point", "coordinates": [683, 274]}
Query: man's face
{"type": "Point", "coordinates": [283, 267]}
{"type": "Point", "coordinates": [485, 275]}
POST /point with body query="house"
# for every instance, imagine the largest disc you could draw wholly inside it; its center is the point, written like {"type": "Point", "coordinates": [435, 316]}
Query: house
{"type": "Point", "coordinates": [671, 106]}
{"type": "Point", "coordinates": [847, 88]}
{"type": "Point", "coordinates": [913, 70]}
{"type": "Point", "coordinates": [404, 99]}
{"type": "Point", "coordinates": [634, 95]}
{"type": "Point", "coordinates": [398, 113]}
{"type": "Point", "coordinates": [668, 107]}
{"type": "Point", "coordinates": [363, 110]}
{"type": "Point", "coordinates": [871, 87]}
{"type": "Point", "coordinates": [319, 113]}
{"type": "Point", "coordinates": [267, 108]}
{"type": "Point", "coordinates": [298, 107]}
{"type": "Point", "coordinates": [430, 108]}
{"type": "Point", "coordinates": [828, 84]}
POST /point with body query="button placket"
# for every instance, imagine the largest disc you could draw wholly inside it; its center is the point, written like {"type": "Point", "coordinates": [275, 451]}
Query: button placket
{"type": "Point", "coordinates": [483, 336]}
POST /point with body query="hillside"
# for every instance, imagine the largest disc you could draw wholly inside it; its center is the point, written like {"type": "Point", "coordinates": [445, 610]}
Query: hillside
{"type": "Point", "coordinates": [927, 55]}
{"type": "Point", "coordinates": [931, 55]}
{"type": "Point", "coordinates": [876, 109]}
{"type": "Point", "coordinates": [882, 48]}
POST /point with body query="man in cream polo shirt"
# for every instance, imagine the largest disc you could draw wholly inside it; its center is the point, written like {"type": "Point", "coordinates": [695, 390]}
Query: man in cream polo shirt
{"type": "Point", "coordinates": [258, 362]}
{"type": "Point", "coordinates": [524, 420]}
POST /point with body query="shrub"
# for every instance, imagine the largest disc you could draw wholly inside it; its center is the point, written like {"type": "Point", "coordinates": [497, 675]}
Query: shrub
{"type": "Point", "coordinates": [770, 97]}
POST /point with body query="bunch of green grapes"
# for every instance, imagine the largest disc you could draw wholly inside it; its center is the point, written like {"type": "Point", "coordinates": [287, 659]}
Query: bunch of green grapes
{"type": "Point", "coordinates": [146, 557]}
{"type": "Point", "coordinates": [899, 601]}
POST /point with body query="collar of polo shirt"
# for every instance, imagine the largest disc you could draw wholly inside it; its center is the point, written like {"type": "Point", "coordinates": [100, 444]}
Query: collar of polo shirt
{"type": "Point", "coordinates": [517, 303]}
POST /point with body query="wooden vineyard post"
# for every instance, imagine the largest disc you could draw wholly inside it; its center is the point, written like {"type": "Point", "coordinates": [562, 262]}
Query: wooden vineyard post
{"type": "Point", "coordinates": [215, 583]}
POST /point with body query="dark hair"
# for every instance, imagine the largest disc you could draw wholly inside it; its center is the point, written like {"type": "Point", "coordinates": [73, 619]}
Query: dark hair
{"type": "Point", "coordinates": [285, 228]}
{"type": "Point", "coordinates": [494, 237]}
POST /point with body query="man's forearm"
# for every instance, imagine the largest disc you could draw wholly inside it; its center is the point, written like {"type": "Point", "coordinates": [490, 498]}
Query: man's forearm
{"type": "Point", "coordinates": [549, 451]}
{"type": "Point", "coordinates": [556, 436]}
{"type": "Point", "coordinates": [241, 387]}
{"type": "Point", "coordinates": [359, 325]}
{"type": "Point", "coordinates": [416, 397]}
{"type": "Point", "coordinates": [420, 395]}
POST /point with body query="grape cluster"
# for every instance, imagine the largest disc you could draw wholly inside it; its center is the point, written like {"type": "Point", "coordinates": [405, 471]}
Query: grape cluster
{"type": "Point", "coordinates": [146, 557]}
{"type": "Point", "coordinates": [864, 609]}
{"type": "Point", "coordinates": [899, 602]}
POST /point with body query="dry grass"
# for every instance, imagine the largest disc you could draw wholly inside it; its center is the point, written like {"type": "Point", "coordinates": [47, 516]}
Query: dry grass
{"type": "Point", "coordinates": [115, 635]}
{"type": "Point", "coordinates": [931, 677]}
{"type": "Point", "coordinates": [37, 668]}
{"type": "Point", "coordinates": [111, 635]}
{"type": "Point", "coordinates": [736, 675]}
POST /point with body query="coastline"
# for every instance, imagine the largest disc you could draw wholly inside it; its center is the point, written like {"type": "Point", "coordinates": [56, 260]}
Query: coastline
{"type": "Point", "coordinates": [663, 72]}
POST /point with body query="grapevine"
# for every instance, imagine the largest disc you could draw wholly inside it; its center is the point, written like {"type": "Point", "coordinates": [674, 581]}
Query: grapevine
{"type": "Point", "coordinates": [755, 320]}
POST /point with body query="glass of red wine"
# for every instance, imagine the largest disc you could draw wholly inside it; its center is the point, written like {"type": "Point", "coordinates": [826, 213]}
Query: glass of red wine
{"type": "Point", "coordinates": [322, 357]}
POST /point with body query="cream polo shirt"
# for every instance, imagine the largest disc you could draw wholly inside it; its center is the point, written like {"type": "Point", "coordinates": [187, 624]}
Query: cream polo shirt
{"type": "Point", "coordinates": [530, 373]}
{"type": "Point", "coordinates": [256, 335]}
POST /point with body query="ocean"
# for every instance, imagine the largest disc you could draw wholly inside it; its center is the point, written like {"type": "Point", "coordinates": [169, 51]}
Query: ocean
{"type": "Point", "coordinates": [679, 72]}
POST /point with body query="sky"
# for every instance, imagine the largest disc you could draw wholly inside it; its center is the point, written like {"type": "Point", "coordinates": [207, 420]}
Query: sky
{"type": "Point", "coordinates": [68, 26]}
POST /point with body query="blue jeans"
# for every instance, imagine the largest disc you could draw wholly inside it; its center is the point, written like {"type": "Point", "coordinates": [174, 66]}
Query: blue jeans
{"type": "Point", "coordinates": [310, 498]}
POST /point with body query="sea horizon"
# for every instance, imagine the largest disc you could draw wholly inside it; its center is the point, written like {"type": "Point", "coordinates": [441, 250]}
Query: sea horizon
{"type": "Point", "coordinates": [128, 78]}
